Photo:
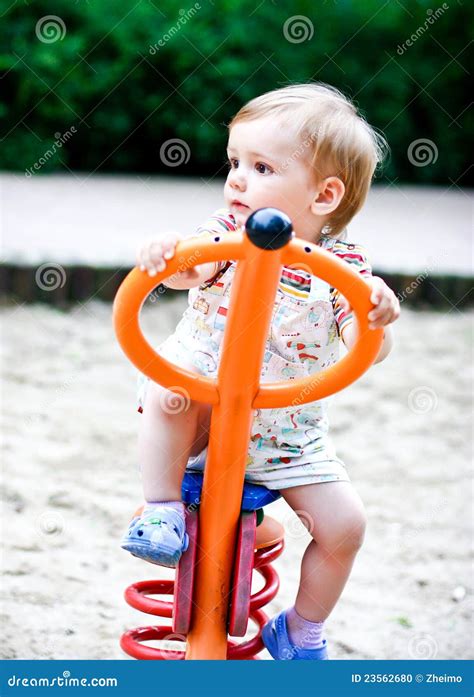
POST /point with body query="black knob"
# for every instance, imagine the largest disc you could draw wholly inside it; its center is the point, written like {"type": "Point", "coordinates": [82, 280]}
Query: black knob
{"type": "Point", "coordinates": [269, 228]}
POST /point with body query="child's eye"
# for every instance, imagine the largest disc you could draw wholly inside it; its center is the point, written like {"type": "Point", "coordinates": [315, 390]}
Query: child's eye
{"type": "Point", "coordinates": [232, 163]}
{"type": "Point", "coordinates": [263, 168]}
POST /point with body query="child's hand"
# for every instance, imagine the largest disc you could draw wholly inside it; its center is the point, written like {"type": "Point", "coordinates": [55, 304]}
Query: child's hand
{"type": "Point", "coordinates": [154, 253]}
{"type": "Point", "coordinates": [387, 306]}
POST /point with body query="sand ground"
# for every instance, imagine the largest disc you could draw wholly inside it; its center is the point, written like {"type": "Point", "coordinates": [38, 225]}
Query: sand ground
{"type": "Point", "coordinates": [70, 484]}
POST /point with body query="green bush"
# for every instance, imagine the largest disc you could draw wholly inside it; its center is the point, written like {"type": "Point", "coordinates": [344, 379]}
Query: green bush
{"type": "Point", "coordinates": [125, 94]}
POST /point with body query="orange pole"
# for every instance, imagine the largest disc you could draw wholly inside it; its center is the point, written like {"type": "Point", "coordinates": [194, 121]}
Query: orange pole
{"type": "Point", "coordinates": [249, 319]}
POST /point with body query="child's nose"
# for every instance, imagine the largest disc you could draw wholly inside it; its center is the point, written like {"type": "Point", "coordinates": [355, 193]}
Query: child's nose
{"type": "Point", "coordinates": [237, 180]}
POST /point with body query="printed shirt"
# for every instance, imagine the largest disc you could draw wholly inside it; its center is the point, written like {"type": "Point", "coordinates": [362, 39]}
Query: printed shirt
{"type": "Point", "coordinates": [307, 320]}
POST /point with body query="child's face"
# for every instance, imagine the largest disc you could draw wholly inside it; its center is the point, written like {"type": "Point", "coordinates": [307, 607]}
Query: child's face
{"type": "Point", "coordinates": [269, 168]}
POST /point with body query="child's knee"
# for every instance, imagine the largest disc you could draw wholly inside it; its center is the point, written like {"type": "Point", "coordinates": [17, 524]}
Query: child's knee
{"type": "Point", "coordinates": [346, 536]}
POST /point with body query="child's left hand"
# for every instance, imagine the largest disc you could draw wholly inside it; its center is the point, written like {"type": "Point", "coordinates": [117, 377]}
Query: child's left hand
{"type": "Point", "coordinates": [386, 304]}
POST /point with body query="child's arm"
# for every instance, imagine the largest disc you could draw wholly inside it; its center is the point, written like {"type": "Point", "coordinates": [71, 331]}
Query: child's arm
{"type": "Point", "coordinates": [153, 255]}
{"type": "Point", "coordinates": [349, 336]}
{"type": "Point", "coordinates": [385, 311]}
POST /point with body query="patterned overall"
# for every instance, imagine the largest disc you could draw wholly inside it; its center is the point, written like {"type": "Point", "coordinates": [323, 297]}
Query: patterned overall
{"type": "Point", "coordinates": [288, 446]}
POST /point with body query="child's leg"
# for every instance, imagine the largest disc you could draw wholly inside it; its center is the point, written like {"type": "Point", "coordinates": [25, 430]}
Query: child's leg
{"type": "Point", "coordinates": [336, 515]}
{"type": "Point", "coordinates": [173, 428]}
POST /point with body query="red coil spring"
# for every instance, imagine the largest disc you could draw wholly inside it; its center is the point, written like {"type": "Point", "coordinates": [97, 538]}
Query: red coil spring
{"type": "Point", "coordinates": [136, 595]}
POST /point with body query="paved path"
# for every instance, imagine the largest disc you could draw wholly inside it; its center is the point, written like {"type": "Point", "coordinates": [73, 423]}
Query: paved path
{"type": "Point", "coordinates": [100, 220]}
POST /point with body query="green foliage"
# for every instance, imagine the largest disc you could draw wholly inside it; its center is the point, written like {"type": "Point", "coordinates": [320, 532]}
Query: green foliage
{"type": "Point", "coordinates": [403, 622]}
{"type": "Point", "coordinates": [126, 94]}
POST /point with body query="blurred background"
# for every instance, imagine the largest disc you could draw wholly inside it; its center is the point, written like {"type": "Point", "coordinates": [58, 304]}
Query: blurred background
{"type": "Point", "coordinates": [114, 114]}
{"type": "Point", "coordinates": [113, 127]}
{"type": "Point", "coordinates": [130, 75]}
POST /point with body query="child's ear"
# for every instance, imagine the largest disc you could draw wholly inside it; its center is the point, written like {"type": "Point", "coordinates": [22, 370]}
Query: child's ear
{"type": "Point", "coordinates": [328, 196]}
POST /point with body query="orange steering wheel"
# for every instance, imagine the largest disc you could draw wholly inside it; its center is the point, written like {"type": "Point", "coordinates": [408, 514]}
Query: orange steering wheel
{"type": "Point", "coordinates": [248, 250]}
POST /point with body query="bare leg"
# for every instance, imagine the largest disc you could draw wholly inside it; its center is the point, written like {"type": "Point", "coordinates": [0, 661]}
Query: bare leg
{"type": "Point", "coordinates": [173, 428]}
{"type": "Point", "coordinates": [335, 516]}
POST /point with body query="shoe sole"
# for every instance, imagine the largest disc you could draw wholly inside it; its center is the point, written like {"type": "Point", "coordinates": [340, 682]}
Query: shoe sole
{"type": "Point", "coordinates": [163, 556]}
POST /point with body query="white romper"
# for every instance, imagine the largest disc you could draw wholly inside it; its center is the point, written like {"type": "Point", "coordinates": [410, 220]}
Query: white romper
{"type": "Point", "coordinates": [288, 446]}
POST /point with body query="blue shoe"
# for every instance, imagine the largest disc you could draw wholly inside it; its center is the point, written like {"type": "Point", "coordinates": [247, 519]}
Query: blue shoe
{"type": "Point", "coordinates": [277, 642]}
{"type": "Point", "coordinates": [158, 536]}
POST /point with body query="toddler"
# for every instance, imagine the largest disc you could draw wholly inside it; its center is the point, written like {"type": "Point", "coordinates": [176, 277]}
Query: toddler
{"type": "Point", "coordinates": [305, 150]}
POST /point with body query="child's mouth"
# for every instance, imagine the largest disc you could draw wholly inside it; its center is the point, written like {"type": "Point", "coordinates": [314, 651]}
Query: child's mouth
{"type": "Point", "coordinates": [238, 204]}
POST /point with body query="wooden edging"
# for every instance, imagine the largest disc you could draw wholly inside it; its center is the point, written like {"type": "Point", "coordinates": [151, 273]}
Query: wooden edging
{"type": "Point", "coordinates": [59, 285]}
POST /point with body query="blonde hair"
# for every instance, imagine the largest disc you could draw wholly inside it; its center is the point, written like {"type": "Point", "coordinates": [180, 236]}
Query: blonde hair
{"type": "Point", "coordinates": [338, 139]}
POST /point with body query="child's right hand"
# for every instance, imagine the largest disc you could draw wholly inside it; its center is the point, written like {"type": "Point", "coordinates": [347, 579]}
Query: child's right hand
{"type": "Point", "coordinates": [154, 253]}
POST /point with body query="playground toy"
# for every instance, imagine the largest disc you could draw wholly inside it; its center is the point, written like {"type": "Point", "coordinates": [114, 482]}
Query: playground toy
{"type": "Point", "coordinates": [228, 538]}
